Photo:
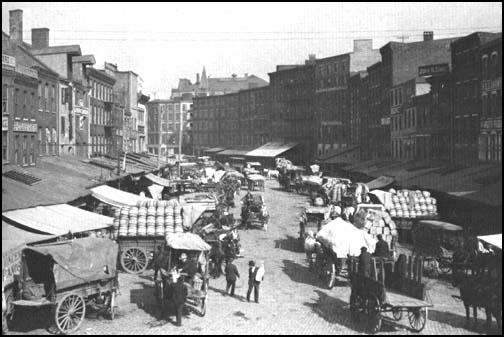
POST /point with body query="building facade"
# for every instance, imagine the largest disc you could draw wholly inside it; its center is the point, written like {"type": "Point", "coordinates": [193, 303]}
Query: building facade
{"type": "Point", "coordinates": [358, 108]}
{"type": "Point", "coordinates": [104, 125]}
{"type": "Point", "coordinates": [490, 135]}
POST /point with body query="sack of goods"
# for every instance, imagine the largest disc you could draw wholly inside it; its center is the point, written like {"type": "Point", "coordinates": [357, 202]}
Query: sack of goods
{"type": "Point", "coordinates": [376, 222]}
{"type": "Point", "coordinates": [412, 204]}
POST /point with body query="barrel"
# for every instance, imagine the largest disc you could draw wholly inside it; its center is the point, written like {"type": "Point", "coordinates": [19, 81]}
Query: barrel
{"type": "Point", "coordinates": [142, 211]}
{"type": "Point", "coordinates": [117, 212]}
{"type": "Point", "coordinates": [132, 229]}
{"type": "Point", "coordinates": [123, 228]}
{"type": "Point", "coordinates": [125, 210]}
{"type": "Point", "coordinates": [160, 229]}
{"type": "Point", "coordinates": [160, 211]}
{"type": "Point", "coordinates": [133, 212]}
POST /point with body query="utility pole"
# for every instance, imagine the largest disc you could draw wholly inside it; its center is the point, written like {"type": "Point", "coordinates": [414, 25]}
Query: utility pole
{"type": "Point", "coordinates": [180, 138]}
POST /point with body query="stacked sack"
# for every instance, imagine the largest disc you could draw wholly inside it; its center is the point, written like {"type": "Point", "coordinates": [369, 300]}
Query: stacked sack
{"type": "Point", "coordinates": [376, 222]}
{"type": "Point", "coordinates": [412, 204]}
{"type": "Point", "coordinates": [335, 189]}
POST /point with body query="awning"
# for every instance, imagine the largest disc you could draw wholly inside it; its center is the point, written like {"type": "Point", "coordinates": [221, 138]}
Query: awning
{"type": "Point", "coordinates": [233, 152]}
{"type": "Point", "coordinates": [13, 237]}
{"type": "Point", "coordinates": [494, 240]}
{"type": "Point", "coordinates": [186, 241]}
{"type": "Point", "coordinates": [434, 224]}
{"type": "Point", "coordinates": [215, 149]}
{"type": "Point", "coordinates": [158, 180]}
{"type": "Point", "coordinates": [271, 150]}
{"type": "Point", "coordinates": [380, 182]}
{"type": "Point", "coordinates": [113, 196]}
{"type": "Point", "coordinates": [58, 219]}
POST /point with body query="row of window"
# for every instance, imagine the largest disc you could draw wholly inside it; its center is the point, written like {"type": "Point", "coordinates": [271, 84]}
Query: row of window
{"type": "Point", "coordinates": [491, 147]}
{"type": "Point", "coordinates": [404, 120]}
{"type": "Point", "coordinates": [101, 145]}
{"type": "Point", "coordinates": [100, 116]}
{"type": "Point", "coordinates": [101, 92]}
{"type": "Point", "coordinates": [47, 97]}
{"type": "Point", "coordinates": [491, 65]}
{"type": "Point", "coordinates": [491, 103]}
{"type": "Point", "coordinates": [329, 69]}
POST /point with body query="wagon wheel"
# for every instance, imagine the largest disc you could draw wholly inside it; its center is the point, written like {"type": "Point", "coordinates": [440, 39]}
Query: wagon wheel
{"type": "Point", "coordinates": [203, 307]}
{"type": "Point", "coordinates": [112, 305]}
{"type": "Point", "coordinates": [417, 319]}
{"type": "Point", "coordinates": [134, 260]}
{"type": "Point", "coordinates": [70, 313]}
{"type": "Point", "coordinates": [374, 315]}
{"type": "Point", "coordinates": [330, 274]}
{"type": "Point", "coordinates": [354, 307]}
{"type": "Point", "coordinates": [397, 314]}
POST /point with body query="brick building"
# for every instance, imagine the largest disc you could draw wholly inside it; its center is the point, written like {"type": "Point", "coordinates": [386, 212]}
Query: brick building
{"type": "Point", "coordinates": [357, 87]}
{"type": "Point", "coordinates": [292, 110]}
{"type": "Point", "coordinates": [467, 107]}
{"type": "Point", "coordinates": [104, 125]}
{"type": "Point", "coordinates": [332, 95]}
{"type": "Point", "coordinates": [373, 144]}
{"type": "Point", "coordinates": [400, 62]}
{"type": "Point", "coordinates": [490, 135]}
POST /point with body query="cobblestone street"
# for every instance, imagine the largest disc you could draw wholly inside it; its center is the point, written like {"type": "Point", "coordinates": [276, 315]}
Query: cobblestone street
{"type": "Point", "coordinates": [292, 300]}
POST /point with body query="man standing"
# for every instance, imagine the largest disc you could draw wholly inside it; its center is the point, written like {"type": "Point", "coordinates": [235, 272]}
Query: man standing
{"type": "Point", "coordinates": [259, 277]}
{"type": "Point", "coordinates": [177, 294]}
{"type": "Point", "coordinates": [231, 275]}
{"type": "Point", "coordinates": [364, 263]}
{"type": "Point", "coordinates": [252, 274]}
{"type": "Point", "coordinates": [382, 248]}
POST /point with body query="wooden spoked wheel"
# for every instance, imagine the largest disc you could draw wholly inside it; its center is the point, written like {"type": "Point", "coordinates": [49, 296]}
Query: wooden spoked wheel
{"type": "Point", "coordinates": [70, 313]}
{"type": "Point", "coordinates": [397, 314]}
{"type": "Point", "coordinates": [374, 315]}
{"type": "Point", "coordinates": [134, 260]}
{"type": "Point", "coordinates": [417, 319]}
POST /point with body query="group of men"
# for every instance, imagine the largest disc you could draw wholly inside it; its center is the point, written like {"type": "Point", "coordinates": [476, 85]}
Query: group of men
{"type": "Point", "coordinates": [256, 276]}
{"type": "Point", "coordinates": [381, 250]}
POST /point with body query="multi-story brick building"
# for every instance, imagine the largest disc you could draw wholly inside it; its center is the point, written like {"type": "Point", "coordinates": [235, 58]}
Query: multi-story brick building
{"type": "Point", "coordinates": [358, 108]}
{"type": "Point", "coordinates": [373, 144]}
{"type": "Point", "coordinates": [467, 107]}
{"type": "Point", "coordinates": [400, 62]}
{"type": "Point", "coordinates": [292, 110]}
{"type": "Point", "coordinates": [490, 135]}
{"type": "Point", "coordinates": [104, 125]}
{"type": "Point", "coordinates": [332, 105]}
{"type": "Point", "coordinates": [165, 118]}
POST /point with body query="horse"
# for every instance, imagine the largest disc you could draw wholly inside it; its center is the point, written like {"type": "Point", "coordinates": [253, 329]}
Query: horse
{"type": "Point", "coordinates": [480, 291]}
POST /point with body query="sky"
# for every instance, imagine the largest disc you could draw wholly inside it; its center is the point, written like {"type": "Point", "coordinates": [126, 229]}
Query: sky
{"type": "Point", "coordinates": [163, 42]}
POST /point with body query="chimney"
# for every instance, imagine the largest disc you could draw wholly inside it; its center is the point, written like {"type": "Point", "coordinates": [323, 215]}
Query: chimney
{"type": "Point", "coordinates": [428, 36]}
{"type": "Point", "coordinates": [40, 38]}
{"type": "Point", "coordinates": [362, 45]}
{"type": "Point", "coordinates": [16, 25]}
{"type": "Point", "coordinates": [197, 78]}
{"type": "Point", "coordinates": [245, 75]}
{"type": "Point", "coordinates": [311, 59]}
{"type": "Point", "coordinates": [233, 76]}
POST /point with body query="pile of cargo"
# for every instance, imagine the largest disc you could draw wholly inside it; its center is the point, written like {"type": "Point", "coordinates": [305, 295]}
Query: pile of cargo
{"type": "Point", "coordinates": [283, 163]}
{"type": "Point", "coordinates": [149, 218]}
{"type": "Point", "coordinates": [412, 204]}
{"type": "Point", "coordinates": [336, 189]}
{"type": "Point", "coordinates": [375, 222]}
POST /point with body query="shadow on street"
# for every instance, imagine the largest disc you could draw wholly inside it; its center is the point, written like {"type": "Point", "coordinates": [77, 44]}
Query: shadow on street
{"type": "Point", "coordinates": [459, 321]}
{"type": "Point", "coordinates": [289, 243]}
{"type": "Point", "coordinates": [300, 273]}
{"type": "Point", "coordinates": [237, 297]}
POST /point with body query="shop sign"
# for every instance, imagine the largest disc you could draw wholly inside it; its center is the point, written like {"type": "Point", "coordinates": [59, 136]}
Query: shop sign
{"type": "Point", "coordinates": [434, 69]}
{"type": "Point", "coordinates": [80, 110]}
{"type": "Point", "coordinates": [11, 266]}
{"type": "Point", "coordinates": [26, 71]}
{"type": "Point", "coordinates": [385, 121]}
{"type": "Point", "coordinates": [5, 123]}
{"type": "Point", "coordinates": [489, 85]}
{"type": "Point", "coordinates": [8, 60]}
{"type": "Point", "coordinates": [25, 126]}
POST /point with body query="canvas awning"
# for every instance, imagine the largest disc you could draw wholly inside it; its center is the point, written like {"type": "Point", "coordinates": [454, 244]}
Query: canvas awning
{"type": "Point", "coordinates": [380, 182]}
{"type": "Point", "coordinates": [494, 240]}
{"type": "Point", "coordinates": [58, 219]}
{"type": "Point", "coordinates": [233, 152]}
{"type": "Point", "coordinates": [186, 241]}
{"type": "Point", "coordinates": [13, 237]}
{"type": "Point", "coordinates": [271, 150]}
{"type": "Point", "coordinates": [114, 197]}
{"type": "Point", "coordinates": [158, 180]}
{"type": "Point", "coordinates": [215, 150]}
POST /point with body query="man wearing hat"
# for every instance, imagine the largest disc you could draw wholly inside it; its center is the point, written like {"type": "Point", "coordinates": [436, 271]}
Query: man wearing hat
{"type": "Point", "coordinates": [364, 263]}
{"type": "Point", "coordinates": [382, 248]}
{"type": "Point", "coordinates": [231, 275]}
{"type": "Point", "coordinates": [251, 282]}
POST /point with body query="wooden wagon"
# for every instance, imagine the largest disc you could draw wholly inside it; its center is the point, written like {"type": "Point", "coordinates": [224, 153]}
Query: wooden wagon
{"type": "Point", "coordinates": [67, 276]}
{"type": "Point", "coordinates": [372, 296]}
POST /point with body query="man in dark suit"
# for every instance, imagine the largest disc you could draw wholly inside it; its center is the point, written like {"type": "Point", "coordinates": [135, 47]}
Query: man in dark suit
{"type": "Point", "coordinates": [251, 282]}
{"type": "Point", "coordinates": [364, 263]}
{"type": "Point", "coordinates": [382, 248]}
{"type": "Point", "coordinates": [177, 294]}
{"type": "Point", "coordinates": [231, 275]}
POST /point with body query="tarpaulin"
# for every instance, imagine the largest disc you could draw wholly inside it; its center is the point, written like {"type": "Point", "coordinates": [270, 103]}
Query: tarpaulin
{"type": "Point", "coordinates": [218, 175]}
{"type": "Point", "coordinates": [191, 213]}
{"type": "Point", "coordinates": [380, 182]}
{"type": "Point", "coordinates": [384, 197]}
{"type": "Point", "coordinates": [13, 237]}
{"type": "Point", "coordinates": [80, 260]}
{"type": "Point", "coordinates": [156, 191]}
{"type": "Point", "coordinates": [158, 180]}
{"type": "Point", "coordinates": [494, 240]}
{"type": "Point", "coordinates": [186, 241]}
{"type": "Point", "coordinates": [344, 239]}
{"type": "Point", "coordinates": [114, 197]}
{"type": "Point", "coordinates": [256, 177]}
{"type": "Point", "coordinates": [58, 219]}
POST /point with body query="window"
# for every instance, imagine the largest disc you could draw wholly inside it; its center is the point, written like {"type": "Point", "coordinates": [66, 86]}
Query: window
{"type": "Point", "coordinates": [46, 97]}
{"type": "Point", "coordinates": [5, 147]}
{"type": "Point", "coordinates": [16, 149]}
{"type": "Point", "coordinates": [485, 105]}
{"type": "Point", "coordinates": [62, 125]}
{"type": "Point", "coordinates": [484, 66]}
{"type": "Point", "coordinates": [5, 99]}
{"type": "Point", "coordinates": [32, 150]}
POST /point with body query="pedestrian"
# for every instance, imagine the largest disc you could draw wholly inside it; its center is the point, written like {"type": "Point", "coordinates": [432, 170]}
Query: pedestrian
{"type": "Point", "coordinates": [382, 248]}
{"type": "Point", "coordinates": [364, 263]}
{"type": "Point", "coordinates": [231, 275]}
{"type": "Point", "coordinates": [251, 270]}
{"type": "Point", "coordinates": [258, 278]}
{"type": "Point", "coordinates": [177, 294]}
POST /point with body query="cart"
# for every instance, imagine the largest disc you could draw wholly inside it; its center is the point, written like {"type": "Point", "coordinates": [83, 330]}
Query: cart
{"type": "Point", "coordinates": [67, 276]}
{"type": "Point", "coordinates": [312, 219]}
{"type": "Point", "coordinates": [136, 252]}
{"type": "Point", "coordinates": [254, 211]}
{"type": "Point", "coordinates": [437, 241]}
{"type": "Point", "coordinates": [255, 181]}
{"type": "Point", "coordinates": [370, 296]}
{"type": "Point", "coordinates": [194, 247]}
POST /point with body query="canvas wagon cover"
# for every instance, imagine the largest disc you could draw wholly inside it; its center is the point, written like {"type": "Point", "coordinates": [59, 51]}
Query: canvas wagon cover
{"type": "Point", "coordinates": [80, 261]}
{"type": "Point", "coordinates": [344, 238]}
{"type": "Point", "coordinates": [186, 241]}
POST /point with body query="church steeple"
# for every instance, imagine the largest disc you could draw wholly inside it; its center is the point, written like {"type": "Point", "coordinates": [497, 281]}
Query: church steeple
{"type": "Point", "coordinates": [204, 80]}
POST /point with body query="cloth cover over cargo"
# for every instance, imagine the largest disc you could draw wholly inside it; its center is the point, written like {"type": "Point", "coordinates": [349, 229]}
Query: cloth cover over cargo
{"type": "Point", "coordinates": [191, 213]}
{"type": "Point", "coordinates": [186, 241]}
{"type": "Point", "coordinates": [380, 182]}
{"type": "Point", "coordinates": [158, 180]}
{"type": "Point", "coordinates": [113, 196]}
{"type": "Point", "coordinates": [494, 240]}
{"type": "Point", "coordinates": [81, 260]}
{"type": "Point", "coordinates": [256, 177]}
{"type": "Point", "coordinates": [59, 219]}
{"type": "Point", "coordinates": [343, 238]}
